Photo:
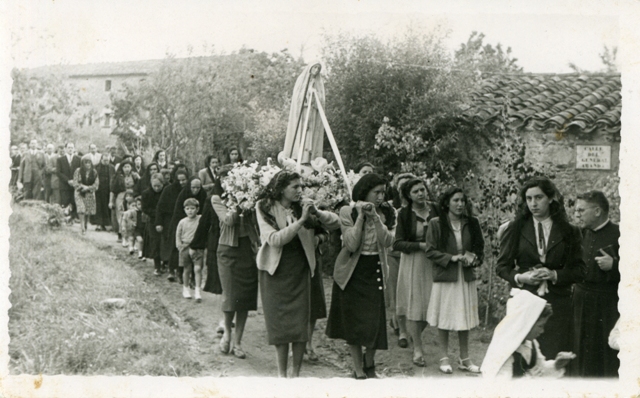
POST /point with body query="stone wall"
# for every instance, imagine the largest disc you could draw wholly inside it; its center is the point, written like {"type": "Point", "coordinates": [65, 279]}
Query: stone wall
{"type": "Point", "coordinates": [559, 152]}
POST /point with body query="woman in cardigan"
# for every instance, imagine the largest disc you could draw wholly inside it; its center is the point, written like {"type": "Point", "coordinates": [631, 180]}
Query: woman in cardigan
{"type": "Point", "coordinates": [357, 312]}
{"type": "Point", "coordinates": [138, 166]}
{"type": "Point", "coordinates": [397, 322]}
{"type": "Point", "coordinates": [123, 180]}
{"type": "Point", "coordinates": [415, 275]}
{"type": "Point", "coordinates": [85, 182]}
{"type": "Point", "coordinates": [164, 214]}
{"type": "Point", "coordinates": [152, 238]}
{"type": "Point", "coordinates": [286, 261]}
{"type": "Point", "coordinates": [455, 246]}
{"type": "Point", "coordinates": [548, 253]}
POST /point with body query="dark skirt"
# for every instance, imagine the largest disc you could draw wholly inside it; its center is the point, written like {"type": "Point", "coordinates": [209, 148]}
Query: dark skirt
{"type": "Point", "coordinates": [152, 239]}
{"type": "Point", "coordinates": [318, 302]}
{"type": "Point", "coordinates": [357, 313]}
{"type": "Point", "coordinates": [103, 213]}
{"type": "Point", "coordinates": [595, 313]}
{"type": "Point", "coordinates": [286, 296]}
{"type": "Point", "coordinates": [166, 244]}
{"type": "Point", "coordinates": [239, 276]}
{"type": "Point", "coordinates": [557, 331]}
{"type": "Point", "coordinates": [213, 284]}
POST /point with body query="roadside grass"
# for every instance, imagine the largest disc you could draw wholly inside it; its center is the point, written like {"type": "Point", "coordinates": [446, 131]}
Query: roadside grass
{"type": "Point", "coordinates": [58, 325]}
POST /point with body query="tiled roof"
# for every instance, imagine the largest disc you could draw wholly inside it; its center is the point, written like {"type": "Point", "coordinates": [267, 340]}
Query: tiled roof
{"type": "Point", "coordinates": [572, 102]}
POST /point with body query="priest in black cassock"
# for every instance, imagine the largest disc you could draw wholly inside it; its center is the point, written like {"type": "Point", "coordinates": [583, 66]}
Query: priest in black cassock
{"type": "Point", "coordinates": [595, 300]}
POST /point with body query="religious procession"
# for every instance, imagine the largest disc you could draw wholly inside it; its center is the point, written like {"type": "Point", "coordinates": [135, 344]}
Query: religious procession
{"type": "Point", "coordinates": [409, 250]}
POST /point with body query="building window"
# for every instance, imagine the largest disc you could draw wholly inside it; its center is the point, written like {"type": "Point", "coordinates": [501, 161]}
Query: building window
{"type": "Point", "coordinates": [107, 120]}
{"type": "Point", "coordinates": [107, 85]}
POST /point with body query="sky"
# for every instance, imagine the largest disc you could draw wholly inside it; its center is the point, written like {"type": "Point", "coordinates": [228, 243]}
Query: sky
{"type": "Point", "coordinates": [544, 39]}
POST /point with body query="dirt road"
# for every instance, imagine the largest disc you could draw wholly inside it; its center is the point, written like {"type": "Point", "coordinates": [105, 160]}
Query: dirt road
{"type": "Point", "coordinates": [334, 360]}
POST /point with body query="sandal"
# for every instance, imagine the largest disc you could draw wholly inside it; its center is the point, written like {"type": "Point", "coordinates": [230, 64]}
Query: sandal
{"type": "Point", "coordinates": [238, 353]}
{"type": "Point", "coordinates": [225, 345]}
{"type": "Point", "coordinates": [446, 367]}
{"type": "Point", "coordinates": [419, 361]}
{"type": "Point", "coordinates": [471, 368]}
{"type": "Point", "coordinates": [312, 356]}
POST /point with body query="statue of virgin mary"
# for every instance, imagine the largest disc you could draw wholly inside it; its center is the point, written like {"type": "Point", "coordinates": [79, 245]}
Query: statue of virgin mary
{"type": "Point", "coordinates": [303, 106]}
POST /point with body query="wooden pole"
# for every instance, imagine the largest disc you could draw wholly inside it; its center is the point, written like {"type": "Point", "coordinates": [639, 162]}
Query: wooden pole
{"type": "Point", "coordinates": [332, 141]}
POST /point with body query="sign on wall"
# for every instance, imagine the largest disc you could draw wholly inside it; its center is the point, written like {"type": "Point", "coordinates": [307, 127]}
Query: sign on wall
{"type": "Point", "coordinates": [593, 157]}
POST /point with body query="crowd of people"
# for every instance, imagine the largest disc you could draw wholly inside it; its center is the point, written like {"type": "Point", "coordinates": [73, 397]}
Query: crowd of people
{"type": "Point", "coordinates": [404, 258]}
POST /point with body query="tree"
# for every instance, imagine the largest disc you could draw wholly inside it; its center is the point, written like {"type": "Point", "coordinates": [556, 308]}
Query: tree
{"type": "Point", "coordinates": [608, 56]}
{"type": "Point", "coordinates": [197, 106]}
{"type": "Point", "coordinates": [483, 60]}
{"type": "Point", "coordinates": [409, 82]}
{"type": "Point", "coordinates": [42, 107]}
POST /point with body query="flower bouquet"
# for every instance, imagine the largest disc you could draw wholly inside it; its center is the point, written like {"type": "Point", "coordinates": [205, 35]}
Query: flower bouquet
{"type": "Point", "coordinates": [321, 182]}
{"type": "Point", "coordinates": [243, 184]}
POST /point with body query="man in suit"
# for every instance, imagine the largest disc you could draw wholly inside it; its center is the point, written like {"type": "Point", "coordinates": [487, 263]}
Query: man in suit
{"type": "Point", "coordinates": [15, 165]}
{"type": "Point", "coordinates": [95, 155]}
{"type": "Point", "coordinates": [49, 170]}
{"type": "Point", "coordinates": [66, 165]}
{"type": "Point", "coordinates": [31, 169]}
{"type": "Point", "coordinates": [595, 299]}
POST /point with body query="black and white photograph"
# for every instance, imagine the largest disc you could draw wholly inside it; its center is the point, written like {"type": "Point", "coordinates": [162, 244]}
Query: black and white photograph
{"type": "Point", "coordinates": [213, 198]}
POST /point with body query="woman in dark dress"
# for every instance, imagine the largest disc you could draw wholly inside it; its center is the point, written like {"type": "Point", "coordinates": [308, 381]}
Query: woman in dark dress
{"type": "Point", "coordinates": [164, 214]}
{"type": "Point", "coordinates": [541, 252]}
{"type": "Point", "coordinates": [106, 172]}
{"type": "Point", "coordinates": [123, 180]}
{"type": "Point", "coordinates": [287, 261]}
{"type": "Point", "coordinates": [160, 158]}
{"type": "Point", "coordinates": [357, 312]}
{"type": "Point", "coordinates": [145, 180]}
{"type": "Point", "coordinates": [152, 238]}
{"type": "Point", "coordinates": [206, 237]}
{"type": "Point", "coordinates": [138, 166]}
{"type": "Point", "coordinates": [236, 267]}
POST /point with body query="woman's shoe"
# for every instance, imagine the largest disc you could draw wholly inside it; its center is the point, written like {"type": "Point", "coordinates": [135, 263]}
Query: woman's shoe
{"type": "Point", "coordinates": [312, 356]}
{"type": "Point", "coordinates": [238, 353]}
{"type": "Point", "coordinates": [471, 368]}
{"type": "Point", "coordinates": [355, 376]}
{"type": "Point", "coordinates": [402, 341]}
{"type": "Point", "coordinates": [419, 361]}
{"type": "Point", "coordinates": [225, 345]}
{"type": "Point", "coordinates": [370, 371]}
{"type": "Point", "coordinates": [445, 367]}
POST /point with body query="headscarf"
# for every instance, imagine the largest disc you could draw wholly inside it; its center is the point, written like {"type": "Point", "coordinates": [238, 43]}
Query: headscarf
{"type": "Point", "coordinates": [523, 310]}
{"type": "Point", "coordinates": [178, 210]}
{"type": "Point", "coordinates": [170, 194]}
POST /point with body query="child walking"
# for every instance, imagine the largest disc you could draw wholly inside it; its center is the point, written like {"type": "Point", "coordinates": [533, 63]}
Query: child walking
{"type": "Point", "coordinates": [514, 351]}
{"type": "Point", "coordinates": [129, 221]}
{"type": "Point", "coordinates": [138, 231]}
{"type": "Point", "coordinates": [189, 259]}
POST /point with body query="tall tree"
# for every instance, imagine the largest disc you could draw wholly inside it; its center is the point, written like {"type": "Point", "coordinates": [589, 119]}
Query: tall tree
{"type": "Point", "coordinates": [203, 105]}
{"type": "Point", "coordinates": [42, 107]}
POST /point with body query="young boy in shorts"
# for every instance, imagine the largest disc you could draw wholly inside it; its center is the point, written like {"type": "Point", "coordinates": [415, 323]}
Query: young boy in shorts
{"type": "Point", "coordinates": [189, 259]}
